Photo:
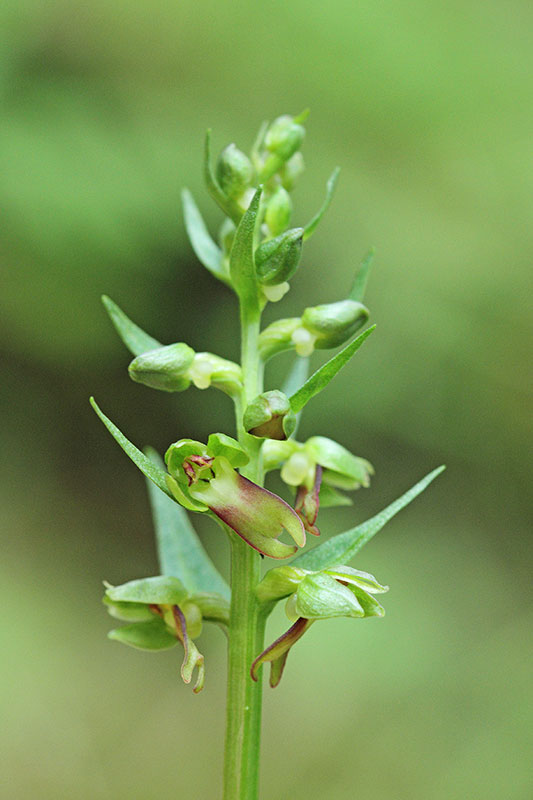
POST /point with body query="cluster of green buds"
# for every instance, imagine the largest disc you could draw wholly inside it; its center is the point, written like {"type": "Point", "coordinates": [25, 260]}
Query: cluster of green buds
{"type": "Point", "coordinates": [161, 612]}
{"type": "Point", "coordinates": [338, 591]}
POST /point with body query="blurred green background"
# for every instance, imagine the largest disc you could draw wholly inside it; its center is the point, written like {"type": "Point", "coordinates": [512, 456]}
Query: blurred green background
{"type": "Point", "coordinates": [427, 109]}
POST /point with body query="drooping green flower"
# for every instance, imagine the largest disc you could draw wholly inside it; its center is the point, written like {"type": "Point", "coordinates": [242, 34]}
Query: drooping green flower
{"type": "Point", "coordinates": [161, 612]}
{"type": "Point", "coordinates": [339, 591]}
{"type": "Point", "coordinates": [204, 478]}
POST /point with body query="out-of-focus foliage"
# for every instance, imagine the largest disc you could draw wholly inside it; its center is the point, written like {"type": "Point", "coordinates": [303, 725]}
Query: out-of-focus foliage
{"type": "Point", "coordinates": [427, 109]}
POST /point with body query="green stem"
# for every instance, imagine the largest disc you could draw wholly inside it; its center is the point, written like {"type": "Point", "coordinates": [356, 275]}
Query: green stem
{"type": "Point", "coordinates": [247, 624]}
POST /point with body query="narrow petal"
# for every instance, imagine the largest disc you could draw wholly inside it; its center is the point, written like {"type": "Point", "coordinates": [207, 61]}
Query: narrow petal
{"type": "Point", "coordinates": [308, 502]}
{"type": "Point", "coordinates": [192, 657]}
{"type": "Point", "coordinates": [278, 651]}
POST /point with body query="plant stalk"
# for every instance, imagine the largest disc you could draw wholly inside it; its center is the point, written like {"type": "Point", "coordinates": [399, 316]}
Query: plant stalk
{"type": "Point", "coordinates": [247, 624]}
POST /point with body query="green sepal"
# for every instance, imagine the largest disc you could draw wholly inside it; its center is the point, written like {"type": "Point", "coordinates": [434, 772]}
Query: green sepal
{"type": "Point", "coordinates": [358, 289]}
{"type": "Point", "coordinates": [165, 368]}
{"type": "Point", "coordinates": [135, 339]}
{"type": "Point", "coordinates": [332, 324]}
{"type": "Point", "coordinates": [241, 260]}
{"type": "Point", "coordinates": [219, 444]}
{"type": "Point", "coordinates": [178, 452]}
{"type": "Point", "coordinates": [227, 204]}
{"type": "Point", "coordinates": [336, 459]}
{"type": "Point", "coordinates": [177, 494]}
{"type": "Point", "coordinates": [320, 379]}
{"type": "Point", "coordinates": [147, 467]}
{"type": "Point", "coordinates": [322, 597]}
{"type": "Point", "coordinates": [330, 190]}
{"type": "Point", "coordinates": [276, 337]}
{"type": "Point", "coordinates": [344, 546]}
{"type": "Point", "coordinates": [330, 497]}
{"type": "Point", "coordinates": [128, 612]}
{"type": "Point", "coordinates": [275, 452]}
{"type": "Point", "coordinates": [179, 549]}
{"type": "Point", "coordinates": [368, 602]}
{"type": "Point", "coordinates": [291, 170]}
{"type": "Point", "coordinates": [207, 252]}
{"type": "Point", "coordinates": [276, 260]}
{"type": "Point", "coordinates": [355, 577]}
{"type": "Point", "coordinates": [151, 635]}
{"type": "Point", "coordinates": [159, 590]}
{"type": "Point", "coordinates": [279, 582]}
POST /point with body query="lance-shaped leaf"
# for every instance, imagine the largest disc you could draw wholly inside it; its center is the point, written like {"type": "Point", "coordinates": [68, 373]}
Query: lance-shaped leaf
{"type": "Point", "coordinates": [146, 465]}
{"type": "Point", "coordinates": [358, 289]}
{"type": "Point", "coordinates": [228, 205]}
{"type": "Point", "coordinates": [241, 260]}
{"type": "Point", "coordinates": [320, 379]}
{"type": "Point", "coordinates": [343, 547]}
{"type": "Point", "coordinates": [330, 190]}
{"type": "Point", "coordinates": [278, 651]}
{"type": "Point", "coordinates": [179, 549]}
{"type": "Point", "coordinates": [295, 379]}
{"type": "Point", "coordinates": [207, 252]}
{"type": "Point", "coordinates": [135, 339]}
{"type": "Point", "coordinates": [152, 635]}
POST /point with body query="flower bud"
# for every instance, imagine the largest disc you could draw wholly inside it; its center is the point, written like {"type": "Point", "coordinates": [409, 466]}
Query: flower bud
{"type": "Point", "coordinates": [277, 337]}
{"type": "Point", "coordinates": [269, 416]}
{"type": "Point", "coordinates": [276, 260]}
{"type": "Point", "coordinates": [291, 171]}
{"type": "Point", "coordinates": [278, 211]}
{"type": "Point", "coordinates": [165, 368]}
{"type": "Point", "coordinates": [208, 369]}
{"type": "Point", "coordinates": [234, 171]}
{"type": "Point", "coordinates": [284, 137]}
{"type": "Point", "coordinates": [334, 323]}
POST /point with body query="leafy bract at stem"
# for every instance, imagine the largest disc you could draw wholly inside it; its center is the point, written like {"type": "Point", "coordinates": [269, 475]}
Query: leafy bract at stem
{"type": "Point", "coordinates": [343, 547]}
{"type": "Point", "coordinates": [311, 226]}
{"type": "Point", "coordinates": [320, 379]}
{"type": "Point", "coordinates": [179, 549]}
{"type": "Point", "coordinates": [228, 206]}
{"type": "Point", "coordinates": [358, 289]}
{"type": "Point", "coordinates": [135, 339]}
{"type": "Point", "coordinates": [145, 464]}
{"type": "Point", "coordinates": [241, 260]}
{"type": "Point", "coordinates": [207, 252]}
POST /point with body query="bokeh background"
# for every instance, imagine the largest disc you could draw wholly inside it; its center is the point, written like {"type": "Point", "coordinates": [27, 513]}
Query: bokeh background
{"type": "Point", "coordinates": [427, 109]}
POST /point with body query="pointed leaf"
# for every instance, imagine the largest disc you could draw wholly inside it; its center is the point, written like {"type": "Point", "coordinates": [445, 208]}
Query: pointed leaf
{"type": "Point", "coordinates": [151, 635]}
{"type": "Point", "coordinates": [296, 377]}
{"type": "Point", "coordinates": [228, 206]}
{"type": "Point", "coordinates": [330, 189]}
{"type": "Point", "coordinates": [358, 289]}
{"type": "Point", "coordinates": [147, 467]}
{"type": "Point", "coordinates": [179, 549]}
{"type": "Point", "coordinates": [341, 548]}
{"type": "Point", "coordinates": [135, 339]}
{"type": "Point", "coordinates": [241, 260]}
{"type": "Point", "coordinates": [320, 379]}
{"type": "Point", "coordinates": [207, 252]}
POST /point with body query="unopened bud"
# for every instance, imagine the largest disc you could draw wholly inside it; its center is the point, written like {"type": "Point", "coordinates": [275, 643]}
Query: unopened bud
{"type": "Point", "coordinates": [334, 323]}
{"type": "Point", "coordinates": [284, 137]}
{"type": "Point", "coordinates": [165, 368]}
{"type": "Point", "coordinates": [291, 171]}
{"type": "Point", "coordinates": [277, 260]}
{"type": "Point", "coordinates": [234, 171]}
{"type": "Point", "coordinates": [269, 416]}
{"type": "Point", "coordinates": [278, 211]}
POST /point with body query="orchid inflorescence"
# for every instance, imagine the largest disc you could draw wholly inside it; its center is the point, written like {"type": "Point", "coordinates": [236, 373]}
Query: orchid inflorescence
{"type": "Point", "coordinates": [256, 255]}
